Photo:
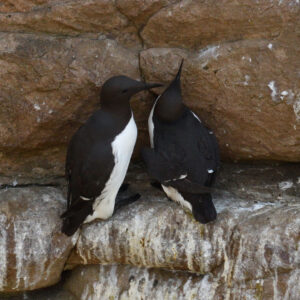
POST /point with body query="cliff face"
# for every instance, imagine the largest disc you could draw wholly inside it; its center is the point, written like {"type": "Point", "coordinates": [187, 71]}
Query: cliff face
{"type": "Point", "coordinates": [153, 249]}
{"type": "Point", "coordinates": [241, 72]}
{"type": "Point", "coordinates": [241, 75]}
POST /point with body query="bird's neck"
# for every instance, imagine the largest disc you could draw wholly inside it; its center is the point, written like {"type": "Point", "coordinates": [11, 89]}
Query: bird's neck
{"type": "Point", "coordinates": [169, 109]}
{"type": "Point", "coordinates": [122, 111]}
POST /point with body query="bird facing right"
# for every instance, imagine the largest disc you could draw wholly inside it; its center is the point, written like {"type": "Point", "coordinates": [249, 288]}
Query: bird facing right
{"type": "Point", "coordinates": [184, 154]}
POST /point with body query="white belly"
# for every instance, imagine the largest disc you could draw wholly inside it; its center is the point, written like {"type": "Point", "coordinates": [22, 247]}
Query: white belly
{"type": "Point", "coordinates": [173, 194]}
{"type": "Point", "coordinates": [122, 148]}
{"type": "Point", "coordinates": [151, 125]}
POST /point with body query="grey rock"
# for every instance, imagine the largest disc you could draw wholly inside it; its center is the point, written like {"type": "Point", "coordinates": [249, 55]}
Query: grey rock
{"type": "Point", "coordinates": [255, 240]}
{"type": "Point", "coordinates": [33, 251]}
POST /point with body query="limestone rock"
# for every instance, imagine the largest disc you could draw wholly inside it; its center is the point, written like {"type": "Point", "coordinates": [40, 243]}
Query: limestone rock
{"type": "Point", "coordinates": [255, 240]}
{"type": "Point", "coordinates": [243, 91]}
{"type": "Point", "coordinates": [128, 283]}
{"type": "Point", "coordinates": [49, 86]}
{"type": "Point", "coordinates": [33, 251]}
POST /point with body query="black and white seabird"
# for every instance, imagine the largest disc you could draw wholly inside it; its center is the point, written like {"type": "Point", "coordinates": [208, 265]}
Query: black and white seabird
{"type": "Point", "coordinates": [185, 155]}
{"type": "Point", "coordinates": [99, 153]}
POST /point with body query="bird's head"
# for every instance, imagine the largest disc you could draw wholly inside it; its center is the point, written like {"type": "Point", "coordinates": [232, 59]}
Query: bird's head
{"type": "Point", "coordinates": [170, 107]}
{"type": "Point", "coordinates": [118, 90]}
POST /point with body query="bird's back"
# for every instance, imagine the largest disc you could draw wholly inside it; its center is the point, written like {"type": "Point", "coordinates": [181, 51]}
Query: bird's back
{"type": "Point", "coordinates": [190, 145]}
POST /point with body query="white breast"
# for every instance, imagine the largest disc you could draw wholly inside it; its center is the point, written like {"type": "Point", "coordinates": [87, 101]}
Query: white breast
{"type": "Point", "coordinates": [173, 194]}
{"type": "Point", "coordinates": [151, 124]}
{"type": "Point", "coordinates": [122, 148]}
{"type": "Point", "coordinates": [196, 116]}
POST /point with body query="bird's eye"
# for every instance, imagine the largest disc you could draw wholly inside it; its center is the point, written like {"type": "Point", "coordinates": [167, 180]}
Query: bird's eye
{"type": "Point", "coordinates": [124, 91]}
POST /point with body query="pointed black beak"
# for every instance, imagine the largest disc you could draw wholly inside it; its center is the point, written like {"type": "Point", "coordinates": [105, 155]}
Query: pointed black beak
{"type": "Point", "coordinates": [140, 86]}
{"type": "Point", "coordinates": [177, 78]}
{"type": "Point", "coordinates": [148, 86]}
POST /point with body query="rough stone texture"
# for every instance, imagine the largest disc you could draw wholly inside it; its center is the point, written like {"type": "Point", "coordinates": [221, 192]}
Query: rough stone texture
{"type": "Point", "coordinates": [241, 64]}
{"type": "Point", "coordinates": [253, 247]}
{"type": "Point", "coordinates": [92, 17]}
{"type": "Point", "coordinates": [250, 252]}
{"type": "Point", "coordinates": [33, 251]}
{"type": "Point", "coordinates": [125, 282]}
{"type": "Point", "coordinates": [194, 24]}
{"type": "Point", "coordinates": [139, 12]}
{"type": "Point", "coordinates": [243, 90]}
{"type": "Point", "coordinates": [49, 86]}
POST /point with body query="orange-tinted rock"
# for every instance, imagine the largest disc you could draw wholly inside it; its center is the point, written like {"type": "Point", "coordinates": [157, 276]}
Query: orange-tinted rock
{"type": "Point", "coordinates": [242, 66]}
{"type": "Point", "coordinates": [33, 250]}
{"type": "Point", "coordinates": [248, 92]}
{"type": "Point", "coordinates": [140, 11]}
{"type": "Point", "coordinates": [48, 87]}
{"type": "Point", "coordinates": [195, 24]}
{"type": "Point", "coordinates": [96, 19]}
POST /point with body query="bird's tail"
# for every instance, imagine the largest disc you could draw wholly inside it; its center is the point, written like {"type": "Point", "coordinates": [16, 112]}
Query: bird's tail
{"type": "Point", "coordinates": [203, 207]}
{"type": "Point", "coordinates": [74, 217]}
{"type": "Point", "coordinates": [70, 226]}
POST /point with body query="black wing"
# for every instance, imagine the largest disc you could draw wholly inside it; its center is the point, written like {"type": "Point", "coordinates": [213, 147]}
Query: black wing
{"type": "Point", "coordinates": [171, 173]}
{"type": "Point", "coordinates": [89, 164]}
{"type": "Point", "coordinates": [186, 154]}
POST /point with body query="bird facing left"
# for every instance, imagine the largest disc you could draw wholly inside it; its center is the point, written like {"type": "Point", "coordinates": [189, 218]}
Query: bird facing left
{"type": "Point", "coordinates": [99, 154]}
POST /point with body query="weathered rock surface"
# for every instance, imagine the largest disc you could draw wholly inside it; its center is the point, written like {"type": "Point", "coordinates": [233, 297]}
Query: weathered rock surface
{"type": "Point", "coordinates": [195, 24]}
{"type": "Point", "coordinates": [241, 72]}
{"type": "Point", "coordinates": [250, 252]}
{"type": "Point", "coordinates": [91, 17]}
{"type": "Point", "coordinates": [253, 247]}
{"type": "Point", "coordinates": [49, 86]}
{"type": "Point", "coordinates": [125, 282]}
{"type": "Point", "coordinates": [139, 12]}
{"type": "Point", "coordinates": [243, 90]}
{"type": "Point", "coordinates": [33, 251]}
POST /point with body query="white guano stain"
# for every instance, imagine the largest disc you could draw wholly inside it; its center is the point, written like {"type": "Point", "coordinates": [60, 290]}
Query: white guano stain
{"type": "Point", "coordinates": [26, 255]}
{"type": "Point", "coordinates": [3, 251]}
{"type": "Point", "coordinates": [283, 94]}
{"type": "Point", "coordinates": [208, 249]}
{"type": "Point", "coordinates": [296, 107]}
{"type": "Point", "coordinates": [270, 46]}
{"type": "Point", "coordinates": [273, 89]}
{"type": "Point", "coordinates": [247, 58]}
{"type": "Point", "coordinates": [247, 78]}
{"type": "Point", "coordinates": [36, 107]}
{"type": "Point", "coordinates": [145, 284]}
{"type": "Point", "coordinates": [208, 53]}
{"type": "Point", "coordinates": [285, 185]}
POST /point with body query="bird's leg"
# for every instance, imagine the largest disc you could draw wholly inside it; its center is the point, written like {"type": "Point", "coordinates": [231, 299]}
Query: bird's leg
{"type": "Point", "coordinates": [125, 201]}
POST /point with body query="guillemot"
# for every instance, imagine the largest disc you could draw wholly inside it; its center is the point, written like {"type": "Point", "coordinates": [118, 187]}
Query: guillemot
{"type": "Point", "coordinates": [99, 153]}
{"type": "Point", "coordinates": [184, 154]}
